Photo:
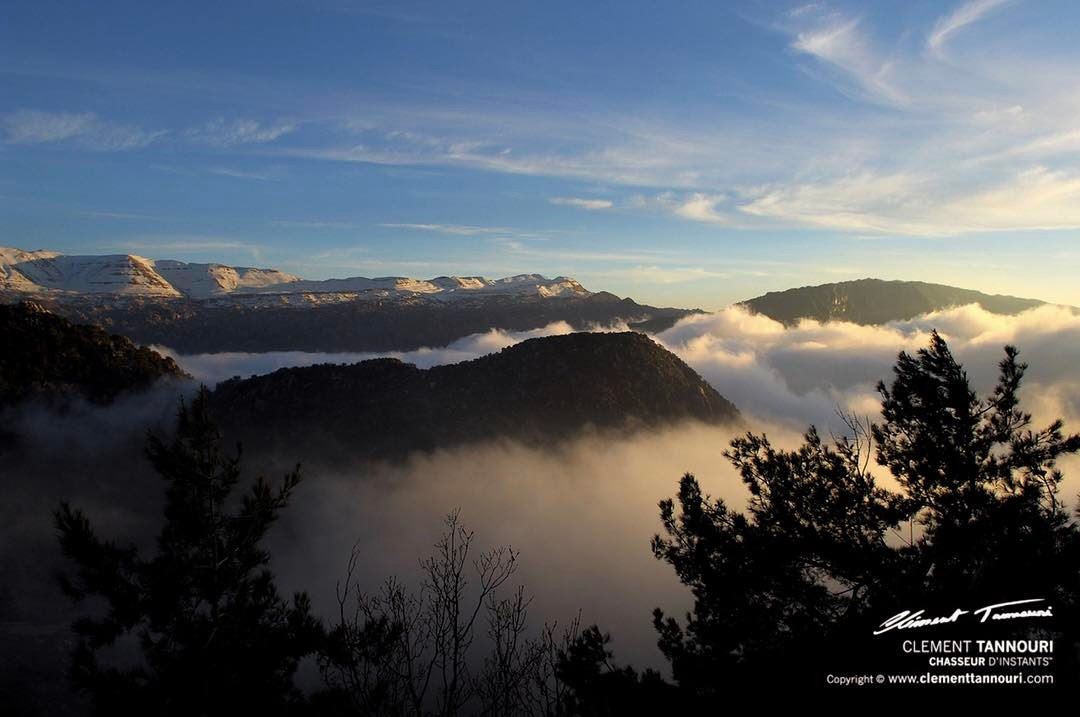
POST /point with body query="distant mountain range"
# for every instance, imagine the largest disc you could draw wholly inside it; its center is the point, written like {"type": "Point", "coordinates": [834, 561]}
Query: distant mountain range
{"type": "Point", "coordinates": [213, 307]}
{"type": "Point", "coordinates": [389, 324]}
{"type": "Point", "coordinates": [539, 390]}
{"type": "Point", "coordinates": [874, 301]}
{"type": "Point", "coordinates": [200, 308]}
{"type": "Point", "coordinates": [127, 275]}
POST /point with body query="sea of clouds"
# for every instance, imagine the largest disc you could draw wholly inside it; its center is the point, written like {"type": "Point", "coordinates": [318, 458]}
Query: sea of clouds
{"type": "Point", "coordinates": [790, 375]}
{"type": "Point", "coordinates": [582, 515]}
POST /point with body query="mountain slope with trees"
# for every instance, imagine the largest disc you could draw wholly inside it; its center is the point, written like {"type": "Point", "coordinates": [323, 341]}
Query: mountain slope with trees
{"type": "Point", "coordinates": [374, 325]}
{"type": "Point", "coordinates": [45, 354]}
{"type": "Point", "coordinates": [875, 301]}
{"type": "Point", "coordinates": [542, 389]}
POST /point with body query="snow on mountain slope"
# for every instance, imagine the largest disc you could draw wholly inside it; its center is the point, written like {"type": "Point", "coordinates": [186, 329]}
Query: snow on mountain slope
{"type": "Point", "coordinates": [454, 283]}
{"type": "Point", "coordinates": [202, 281]}
{"type": "Point", "coordinates": [25, 272]}
{"type": "Point", "coordinates": [124, 274]}
{"type": "Point", "coordinates": [11, 278]}
{"type": "Point", "coordinates": [358, 284]}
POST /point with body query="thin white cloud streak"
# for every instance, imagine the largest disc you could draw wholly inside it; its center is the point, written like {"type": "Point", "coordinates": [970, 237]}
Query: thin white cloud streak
{"type": "Point", "coordinates": [455, 229]}
{"type": "Point", "coordinates": [33, 127]}
{"type": "Point", "coordinates": [221, 132]}
{"type": "Point", "coordinates": [124, 215]}
{"type": "Point", "coordinates": [582, 203]}
{"type": "Point", "coordinates": [702, 208]}
{"type": "Point", "coordinates": [499, 233]}
{"type": "Point", "coordinates": [614, 164]}
{"type": "Point", "coordinates": [966, 14]}
{"type": "Point", "coordinates": [909, 203]}
{"type": "Point", "coordinates": [86, 129]}
{"type": "Point", "coordinates": [268, 176]}
{"type": "Point", "coordinates": [662, 275]}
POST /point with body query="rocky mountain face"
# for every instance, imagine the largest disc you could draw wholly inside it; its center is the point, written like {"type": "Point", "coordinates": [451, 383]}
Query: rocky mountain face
{"type": "Point", "coordinates": [874, 301]}
{"type": "Point", "coordinates": [540, 390]}
{"type": "Point", "coordinates": [43, 354]}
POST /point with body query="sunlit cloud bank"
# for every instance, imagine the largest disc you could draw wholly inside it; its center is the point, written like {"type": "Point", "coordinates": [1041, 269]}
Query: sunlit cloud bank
{"type": "Point", "coordinates": [793, 375]}
{"type": "Point", "coordinates": [804, 373]}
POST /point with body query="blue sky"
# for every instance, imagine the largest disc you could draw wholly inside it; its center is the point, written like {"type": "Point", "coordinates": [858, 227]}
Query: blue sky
{"type": "Point", "coordinates": [688, 153]}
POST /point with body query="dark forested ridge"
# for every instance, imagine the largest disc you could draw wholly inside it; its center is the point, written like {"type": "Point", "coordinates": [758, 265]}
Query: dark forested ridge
{"type": "Point", "coordinates": [875, 301]}
{"type": "Point", "coordinates": [540, 389]}
{"type": "Point", "coordinates": [397, 324]}
{"type": "Point", "coordinates": [45, 354]}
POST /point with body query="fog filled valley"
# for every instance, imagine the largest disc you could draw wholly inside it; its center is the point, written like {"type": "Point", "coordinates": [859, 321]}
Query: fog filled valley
{"type": "Point", "coordinates": [581, 511]}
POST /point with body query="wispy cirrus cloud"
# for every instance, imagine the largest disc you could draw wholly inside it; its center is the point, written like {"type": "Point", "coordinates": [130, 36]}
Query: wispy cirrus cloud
{"type": "Point", "coordinates": [657, 157]}
{"type": "Point", "coordinates": [863, 201]}
{"type": "Point", "coordinates": [221, 132]}
{"type": "Point", "coordinates": [34, 127]}
{"type": "Point", "coordinates": [702, 208]}
{"type": "Point", "coordinates": [964, 15]}
{"type": "Point", "coordinates": [86, 129]}
{"type": "Point", "coordinates": [840, 43]}
{"type": "Point", "coordinates": [921, 205]}
{"type": "Point", "coordinates": [915, 146]}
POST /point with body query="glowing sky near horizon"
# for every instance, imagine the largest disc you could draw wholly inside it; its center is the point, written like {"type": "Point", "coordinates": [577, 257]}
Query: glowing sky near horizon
{"type": "Point", "coordinates": [681, 153]}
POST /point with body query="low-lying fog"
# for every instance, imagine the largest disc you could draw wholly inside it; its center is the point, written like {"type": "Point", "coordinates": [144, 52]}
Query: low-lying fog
{"type": "Point", "coordinates": [788, 375]}
{"type": "Point", "coordinates": [582, 516]}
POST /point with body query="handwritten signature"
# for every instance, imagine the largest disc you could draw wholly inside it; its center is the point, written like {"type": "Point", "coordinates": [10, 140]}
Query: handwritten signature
{"type": "Point", "coordinates": [907, 620]}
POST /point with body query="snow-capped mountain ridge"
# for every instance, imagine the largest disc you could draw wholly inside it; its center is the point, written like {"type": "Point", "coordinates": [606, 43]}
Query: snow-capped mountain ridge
{"type": "Point", "coordinates": [51, 273]}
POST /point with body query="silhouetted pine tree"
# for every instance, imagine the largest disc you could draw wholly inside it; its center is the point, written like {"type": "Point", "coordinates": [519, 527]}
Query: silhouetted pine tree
{"type": "Point", "coordinates": [823, 554]}
{"type": "Point", "coordinates": [213, 635]}
{"type": "Point", "coordinates": [597, 687]}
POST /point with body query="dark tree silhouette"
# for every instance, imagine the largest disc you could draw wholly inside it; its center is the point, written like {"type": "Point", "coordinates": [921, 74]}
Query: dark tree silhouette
{"type": "Point", "coordinates": [824, 553]}
{"type": "Point", "coordinates": [398, 653]}
{"type": "Point", "coordinates": [980, 481]}
{"type": "Point", "coordinates": [595, 686]}
{"type": "Point", "coordinates": [211, 632]}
